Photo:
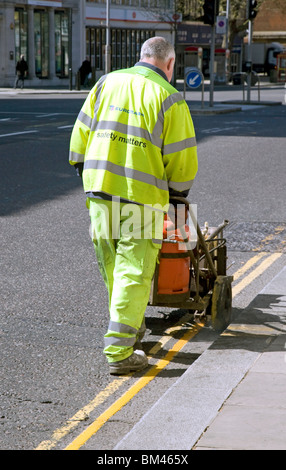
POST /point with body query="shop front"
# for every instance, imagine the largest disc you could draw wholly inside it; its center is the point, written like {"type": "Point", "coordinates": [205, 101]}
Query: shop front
{"type": "Point", "coordinates": [129, 27]}
{"type": "Point", "coordinates": [42, 31]}
{"type": "Point", "coordinates": [56, 36]}
{"type": "Point", "coordinates": [193, 48]}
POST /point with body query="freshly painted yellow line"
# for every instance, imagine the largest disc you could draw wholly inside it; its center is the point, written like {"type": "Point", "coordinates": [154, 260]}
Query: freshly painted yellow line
{"type": "Point", "coordinates": [169, 334]}
{"type": "Point", "coordinates": [255, 273]}
{"type": "Point", "coordinates": [133, 390]}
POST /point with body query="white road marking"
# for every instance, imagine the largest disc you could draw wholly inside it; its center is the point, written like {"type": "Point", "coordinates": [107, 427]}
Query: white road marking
{"type": "Point", "coordinates": [18, 133]}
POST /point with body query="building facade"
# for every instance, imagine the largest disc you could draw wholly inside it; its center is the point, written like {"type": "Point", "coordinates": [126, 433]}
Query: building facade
{"type": "Point", "coordinates": [55, 36]}
{"type": "Point", "coordinates": [270, 23]}
{"type": "Point", "coordinates": [131, 22]}
{"type": "Point", "coordinates": [42, 31]}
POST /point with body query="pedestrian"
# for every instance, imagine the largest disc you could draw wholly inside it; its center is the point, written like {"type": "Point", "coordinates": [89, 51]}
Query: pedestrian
{"type": "Point", "coordinates": [85, 71]}
{"type": "Point", "coordinates": [134, 146]}
{"type": "Point", "coordinates": [21, 72]}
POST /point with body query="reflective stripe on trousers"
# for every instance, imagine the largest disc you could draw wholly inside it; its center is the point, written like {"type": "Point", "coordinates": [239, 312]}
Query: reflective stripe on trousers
{"type": "Point", "coordinates": [127, 262]}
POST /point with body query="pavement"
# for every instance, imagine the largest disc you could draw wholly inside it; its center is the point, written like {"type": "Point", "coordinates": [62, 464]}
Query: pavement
{"type": "Point", "coordinates": [198, 106]}
{"type": "Point", "coordinates": [233, 396]}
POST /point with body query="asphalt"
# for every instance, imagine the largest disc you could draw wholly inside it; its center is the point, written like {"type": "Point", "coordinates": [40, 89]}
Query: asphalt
{"type": "Point", "coordinates": [233, 394]}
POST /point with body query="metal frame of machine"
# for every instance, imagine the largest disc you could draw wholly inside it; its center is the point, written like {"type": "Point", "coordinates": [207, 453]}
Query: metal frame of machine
{"type": "Point", "coordinates": [209, 290]}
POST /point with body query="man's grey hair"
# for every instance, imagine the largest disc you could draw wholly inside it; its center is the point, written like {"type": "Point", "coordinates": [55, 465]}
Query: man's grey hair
{"type": "Point", "coordinates": [158, 48]}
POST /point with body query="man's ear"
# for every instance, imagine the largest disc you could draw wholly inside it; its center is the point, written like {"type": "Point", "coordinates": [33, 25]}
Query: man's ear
{"type": "Point", "coordinates": [170, 68]}
{"type": "Point", "coordinates": [170, 64]}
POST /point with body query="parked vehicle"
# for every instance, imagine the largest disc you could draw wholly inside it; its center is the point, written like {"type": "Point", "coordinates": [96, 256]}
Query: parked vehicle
{"type": "Point", "coordinates": [264, 56]}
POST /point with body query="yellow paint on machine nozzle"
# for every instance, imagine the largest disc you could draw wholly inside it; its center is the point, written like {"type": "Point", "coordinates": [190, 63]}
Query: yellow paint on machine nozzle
{"type": "Point", "coordinates": [133, 390]}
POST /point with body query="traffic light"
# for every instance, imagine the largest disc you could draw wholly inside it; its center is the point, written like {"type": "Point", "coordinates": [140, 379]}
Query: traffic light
{"type": "Point", "coordinates": [252, 12]}
{"type": "Point", "coordinates": [211, 8]}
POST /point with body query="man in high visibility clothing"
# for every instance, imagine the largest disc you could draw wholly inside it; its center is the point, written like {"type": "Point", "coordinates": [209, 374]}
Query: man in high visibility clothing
{"type": "Point", "coordinates": [134, 145]}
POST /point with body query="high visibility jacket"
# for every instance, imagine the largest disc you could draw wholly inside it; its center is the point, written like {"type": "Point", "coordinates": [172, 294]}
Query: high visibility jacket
{"type": "Point", "coordinates": [136, 138]}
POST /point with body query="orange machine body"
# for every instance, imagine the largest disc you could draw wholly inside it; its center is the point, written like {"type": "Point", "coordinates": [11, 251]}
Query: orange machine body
{"type": "Point", "coordinates": [174, 268]}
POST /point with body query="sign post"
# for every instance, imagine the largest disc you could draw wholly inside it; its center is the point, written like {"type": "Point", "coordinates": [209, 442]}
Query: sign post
{"type": "Point", "coordinates": [194, 78]}
{"type": "Point", "coordinates": [249, 60]}
{"type": "Point", "coordinates": [212, 57]}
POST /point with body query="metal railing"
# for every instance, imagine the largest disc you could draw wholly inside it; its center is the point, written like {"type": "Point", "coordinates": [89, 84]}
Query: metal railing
{"type": "Point", "coordinates": [244, 80]}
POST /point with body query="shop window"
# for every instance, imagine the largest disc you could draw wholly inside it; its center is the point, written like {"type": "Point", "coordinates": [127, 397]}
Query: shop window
{"type": "Point", "coordinates": [100, 40]}
{"type": "Point", "coordinates": [62, 43]}
{"type": "Point", "coordinates": [41, 32]}
{"type": "Point", "coordinates": [123, 49]}
{"type": "Point", "coordinates": [21, 33]}
{"type": "Point", "coordinates": [125, 46]}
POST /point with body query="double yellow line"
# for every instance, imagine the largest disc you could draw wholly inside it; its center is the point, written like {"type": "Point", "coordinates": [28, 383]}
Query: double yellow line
{"type": "Point", "coordinates": [133, 390]}
{"type": "Point", "coordinates": [84, 413]}
{"type": "Point", "coordinates": [270, 259]}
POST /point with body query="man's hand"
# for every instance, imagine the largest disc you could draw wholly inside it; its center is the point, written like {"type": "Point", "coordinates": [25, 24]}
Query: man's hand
{"type": "Point", "coordinates": [178, 214]}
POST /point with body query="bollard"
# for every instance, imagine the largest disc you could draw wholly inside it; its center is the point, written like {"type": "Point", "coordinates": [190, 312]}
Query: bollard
{"type": "Point", "coordinates": [77, 81]}
{"type": "Point", "coordinates": [70, 79]}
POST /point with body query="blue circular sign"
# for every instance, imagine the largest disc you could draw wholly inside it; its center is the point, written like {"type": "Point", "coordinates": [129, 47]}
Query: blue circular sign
{"type": "Point", "coordinates": [194, 78]}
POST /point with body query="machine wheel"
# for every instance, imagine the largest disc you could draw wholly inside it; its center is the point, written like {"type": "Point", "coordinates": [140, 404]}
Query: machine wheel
{"type": "Point", "coordinates": [221, 303]}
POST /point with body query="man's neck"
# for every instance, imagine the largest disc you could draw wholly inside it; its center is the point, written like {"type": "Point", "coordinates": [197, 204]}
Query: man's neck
{"type": "Point", "coordinates": [152, 67]}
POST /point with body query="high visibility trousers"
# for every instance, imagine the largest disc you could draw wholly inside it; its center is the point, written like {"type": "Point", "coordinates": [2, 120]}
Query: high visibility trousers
{"type": "Point", "coordinates": [127, 244]}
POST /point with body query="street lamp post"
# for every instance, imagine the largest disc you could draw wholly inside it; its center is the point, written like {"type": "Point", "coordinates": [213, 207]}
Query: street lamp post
{"type": "Point", "coordinates": [212, 56]}
{"type": "Point", "coordinates": [249, 58]}
{"type": "Point", "coordinates": [107, 46]}
{"type": "Point", "coordinates": [227, 55]}
{"type": "Point", "coordinates": [70, 48]}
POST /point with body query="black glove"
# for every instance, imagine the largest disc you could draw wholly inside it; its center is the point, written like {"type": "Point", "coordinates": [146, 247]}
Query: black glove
{"type": "Point", "coordinates": [79, 169]}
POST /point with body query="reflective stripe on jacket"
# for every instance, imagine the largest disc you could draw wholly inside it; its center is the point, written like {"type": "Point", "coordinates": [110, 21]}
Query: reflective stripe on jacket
{"type": "Point", "coordinates": [136, 138]}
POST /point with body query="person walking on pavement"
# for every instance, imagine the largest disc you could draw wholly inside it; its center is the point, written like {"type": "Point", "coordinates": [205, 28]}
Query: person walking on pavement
{"type": "Point", "coordinates": [85, 70]}
{"type": "Point", "coordinates": [21, 72]}
{"type": "Point", "coordinates": [134, 146]}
